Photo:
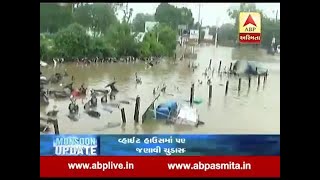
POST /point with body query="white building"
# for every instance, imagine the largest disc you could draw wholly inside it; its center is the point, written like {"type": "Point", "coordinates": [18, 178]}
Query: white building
{"type": "Point", "coordinates": [149, 25]}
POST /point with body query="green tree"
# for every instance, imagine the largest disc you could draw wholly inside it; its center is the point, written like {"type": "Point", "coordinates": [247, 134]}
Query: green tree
{"type": "Point", "coordinates": [202, 33]}
{"type": "Point", "coordinates": [120, 37]}
{"type": "Point", "coordinates": [167, 37]}
{"type": "Point", "coordinates": [151, 42]}
{"type": "Point", "coordinates": [139, 21]}
{"type": "Point", "coordinates": [270, 29]}
{"type": "Point", "coordinates": [226, 32]}
{"type": "Point", "coordinates": [212, 31]}
{"type": "Point", "coordinates": [100, 48]}
{"type": "Point", "coordinates": [196, 25]}
{"type": "Point", "coordinates": [47, 49]}
{"type": "Point", "coordinates": [72, 41]}
{"type": "Point", "coordinates": [172, 16]}
{"type": "Point", "coordinates": [144, 49]}
{"type": "Point", "coordinates": [186, 17]}
{"type": "Point", "coordinates": [43, 49]}
{"type": "Point", "coordinates": [82, 15]}
{"type": "Point", "coordinates": [54, 17]}
{"type": "Point", "coordinates": [97, 16]}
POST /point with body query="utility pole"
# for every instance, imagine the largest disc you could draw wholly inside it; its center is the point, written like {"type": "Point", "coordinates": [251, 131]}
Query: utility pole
{"type": "Point", "coordinates": [277, 15]}
{"type": "Point", "coordinates": [216, 37]}
{"type": "Point", "coordinates": [199, 24]}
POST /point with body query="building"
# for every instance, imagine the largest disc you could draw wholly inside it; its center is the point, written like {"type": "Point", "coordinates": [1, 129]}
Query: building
{"type": "Point", "coordinates": [149, 25]}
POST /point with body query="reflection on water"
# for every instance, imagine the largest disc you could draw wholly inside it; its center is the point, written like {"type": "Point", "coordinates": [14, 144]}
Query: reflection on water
{"type": "Point", "coordinates": [250, 111]}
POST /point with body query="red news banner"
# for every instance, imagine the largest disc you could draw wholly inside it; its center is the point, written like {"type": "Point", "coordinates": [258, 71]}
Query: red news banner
{"type": "Point", "coordinates": [160, 166]}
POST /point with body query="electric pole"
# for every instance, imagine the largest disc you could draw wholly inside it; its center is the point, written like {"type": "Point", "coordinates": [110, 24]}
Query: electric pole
{"type": "Point", "coordinates": [199, 24]}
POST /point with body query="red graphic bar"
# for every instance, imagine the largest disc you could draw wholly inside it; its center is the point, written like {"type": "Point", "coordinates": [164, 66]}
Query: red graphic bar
{"type": "Point", "coordinates": [250, 38]}
{"type": "Point", "coordinates": [160, 166]}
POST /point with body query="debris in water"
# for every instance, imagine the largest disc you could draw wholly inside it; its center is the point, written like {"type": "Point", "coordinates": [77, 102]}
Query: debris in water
{"type": "Point", "coordinates": [124, 102]}
{"type": "Point", "coordinates": [109, 125]}
{"type": "Point", "coordinates": [107, 109]}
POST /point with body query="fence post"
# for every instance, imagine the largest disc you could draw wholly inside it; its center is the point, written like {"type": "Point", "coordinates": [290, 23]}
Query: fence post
{"type": "Point", "coordinates": [137, 109]}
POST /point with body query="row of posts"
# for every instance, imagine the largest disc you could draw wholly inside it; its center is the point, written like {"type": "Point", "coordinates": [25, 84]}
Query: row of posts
{"type": "Point", "coordinates": [227, 86]}
{"type": "Point", "coordinates": [249, 84]}
{"type": "Point", "coordinates": [227, 83]}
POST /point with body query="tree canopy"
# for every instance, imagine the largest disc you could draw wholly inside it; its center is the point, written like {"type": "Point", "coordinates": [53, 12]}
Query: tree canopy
{"type": "Point", "coordinates": [65, 28]}
{"type": "Point", "coordinates": [139, 21]}
{"type": "Point", "coordinates": [97, 16]}
{"type": "Point", "coordinates": [54, 17]}
{"type": "Point", "coordinates": [173, 16]}
{"type": "Point", "coordinates": [72, 41]}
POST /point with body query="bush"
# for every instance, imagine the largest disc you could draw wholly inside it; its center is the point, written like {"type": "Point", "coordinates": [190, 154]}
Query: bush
{"type": "Point", "coordinates": [72, 41]}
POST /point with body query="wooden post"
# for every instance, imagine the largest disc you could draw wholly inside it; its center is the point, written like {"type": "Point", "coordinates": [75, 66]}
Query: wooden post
{"type": "Point", "coordinates": [191, 94]}
{"type": "Point", "coordinates": [219, 67]}
{"type": "Point", "coordinates": [210, 63]}
{"type": "Point", "coordinates": [123, 116]}
{"type": "Point", "coordinates": [210, 91]}
{"type": "Point", "coordinates": [136, 110]}
{"type": "Point", "coordinates": [264, 79]}
{"type": "Point", "coordinates": [226, 91]}
{"type": "Point", "coordinates": [267, 73]}
{"type": "Point", "coordinates": [249, 83]}
{"type": "Point", "coordinates": [239, 85]}
{"type": "Point", "coordinates": [258, 80]}
{"type": "Point", "coordinates": [56, 127]}
{"type": "Point", "coordinates": [256, 70]}
{"type": "Point", "coordinates": [230, 68]}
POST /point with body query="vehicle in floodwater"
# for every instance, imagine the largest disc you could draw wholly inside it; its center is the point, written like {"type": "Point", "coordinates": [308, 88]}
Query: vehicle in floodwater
{"type": "Point", "coordinates": [278, 49]}
{"type": "Point", "coordinates": [43, 64]}
{"type": "Point", "coordinates": [249, 68]}
{"type": "Point", "coordinates": [174, 112]}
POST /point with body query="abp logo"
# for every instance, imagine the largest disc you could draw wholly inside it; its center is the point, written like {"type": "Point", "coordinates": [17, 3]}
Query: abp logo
{"type": "Point", "coordinates": [250, 27]}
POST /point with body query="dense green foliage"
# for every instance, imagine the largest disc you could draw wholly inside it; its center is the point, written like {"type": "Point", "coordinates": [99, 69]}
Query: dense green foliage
{"type": "Point", "coordinates": [139, 20]}
{"type": "Point", "coordinates": [72, 41]}
{"type": "Point", "coordinates": [173, 16]}
{"type": "Point", "coordinates": [91, 30]}
{"type": "Point", "coordinates": [54, 17]}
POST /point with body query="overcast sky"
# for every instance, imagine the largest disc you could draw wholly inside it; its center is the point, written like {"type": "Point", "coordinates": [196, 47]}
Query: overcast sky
{"type": "Point", "coordinates": [210, 13]}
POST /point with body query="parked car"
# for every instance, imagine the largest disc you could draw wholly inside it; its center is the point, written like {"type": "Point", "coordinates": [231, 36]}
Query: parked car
{"type": "Point", "coordinates": [278, 49]}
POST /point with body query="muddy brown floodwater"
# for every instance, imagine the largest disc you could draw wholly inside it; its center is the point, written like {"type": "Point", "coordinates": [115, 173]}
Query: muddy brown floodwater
{"type": "Point", "coordinates": [256, 111]}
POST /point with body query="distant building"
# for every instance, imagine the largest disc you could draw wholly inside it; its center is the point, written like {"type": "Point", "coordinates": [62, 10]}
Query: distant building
{"type": "Point", "coordinates": [149, 25]}
{"type": "Point", "coordinates": [194, 34]}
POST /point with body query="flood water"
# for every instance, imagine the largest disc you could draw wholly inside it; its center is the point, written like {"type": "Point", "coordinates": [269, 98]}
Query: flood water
{"type": "Point", "coordinates": [254, 111]}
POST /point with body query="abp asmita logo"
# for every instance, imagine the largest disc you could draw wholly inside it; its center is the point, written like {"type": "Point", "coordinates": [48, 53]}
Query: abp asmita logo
{"type": "Point", "coordinates": [250, 27]}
